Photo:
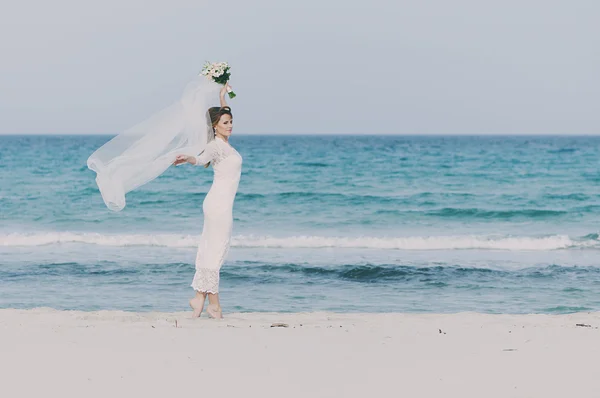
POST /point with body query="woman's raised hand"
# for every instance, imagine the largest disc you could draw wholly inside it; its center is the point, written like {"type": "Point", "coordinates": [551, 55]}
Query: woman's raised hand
{"type": "Point", "coordinates": [224, 89]}
{"type": "Point", "coordinates": [182, 159]}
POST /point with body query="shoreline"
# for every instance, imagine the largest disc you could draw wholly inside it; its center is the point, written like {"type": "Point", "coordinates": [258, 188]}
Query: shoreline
{"type": "Point", "coordinates": [247, 315]}
{"type": "Point", "coordinates": [324, 354]}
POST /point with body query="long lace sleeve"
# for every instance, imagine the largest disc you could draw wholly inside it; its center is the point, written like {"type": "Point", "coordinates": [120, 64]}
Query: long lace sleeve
{"type": "Point", "coordinates": [208, 155]}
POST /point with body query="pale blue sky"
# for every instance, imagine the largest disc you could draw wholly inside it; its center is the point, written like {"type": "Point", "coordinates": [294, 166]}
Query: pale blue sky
{"type": "Point", "coordinates": [373, 67]}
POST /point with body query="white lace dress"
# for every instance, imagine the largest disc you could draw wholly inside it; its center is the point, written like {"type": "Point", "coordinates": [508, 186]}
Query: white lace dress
{"type": "Point", "coordinates": [218, 213]}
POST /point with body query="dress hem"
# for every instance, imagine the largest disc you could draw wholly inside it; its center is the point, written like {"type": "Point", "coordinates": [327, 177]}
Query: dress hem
{"type": "Point", "coordinates": [199, 289]}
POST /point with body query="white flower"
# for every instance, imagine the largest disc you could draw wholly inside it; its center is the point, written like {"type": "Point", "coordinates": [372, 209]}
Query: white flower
{"type": "Point", "coordinates": [215, 69]}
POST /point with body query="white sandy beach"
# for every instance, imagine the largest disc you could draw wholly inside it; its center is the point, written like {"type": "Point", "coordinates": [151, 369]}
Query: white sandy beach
{"type": "Point", "coordinates": [46, 352]}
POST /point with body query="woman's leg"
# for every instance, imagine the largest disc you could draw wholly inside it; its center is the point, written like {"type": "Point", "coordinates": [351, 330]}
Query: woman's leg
{"type": "Point", "coordinates": [214, 307]}
{"type": "Point", "coordinates": [197, 304]}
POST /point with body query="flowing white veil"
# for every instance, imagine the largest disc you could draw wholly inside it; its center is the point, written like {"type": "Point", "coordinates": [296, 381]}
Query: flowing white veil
{"type": "Point", "coordinates": [143, 152]}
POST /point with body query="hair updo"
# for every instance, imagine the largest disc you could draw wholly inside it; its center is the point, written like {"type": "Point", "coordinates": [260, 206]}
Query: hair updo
{"type": "Point", "coordinates": [215, 113]}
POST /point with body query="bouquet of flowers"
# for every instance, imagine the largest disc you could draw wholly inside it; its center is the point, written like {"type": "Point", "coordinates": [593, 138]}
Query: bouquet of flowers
{"type": "Point", "coordinates": [219, 72]}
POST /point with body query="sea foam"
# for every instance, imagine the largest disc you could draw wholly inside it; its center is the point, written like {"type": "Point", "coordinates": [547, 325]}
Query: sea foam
{"type": "Point", "coordinates": [457, 242]}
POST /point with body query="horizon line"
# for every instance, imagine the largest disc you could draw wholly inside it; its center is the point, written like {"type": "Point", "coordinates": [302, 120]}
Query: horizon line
{"type": "Point", "coordinates": [335, 134]}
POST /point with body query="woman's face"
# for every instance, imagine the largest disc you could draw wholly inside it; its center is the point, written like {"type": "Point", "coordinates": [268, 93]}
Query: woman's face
{"type": "Point", "coordinates": [225, 125]}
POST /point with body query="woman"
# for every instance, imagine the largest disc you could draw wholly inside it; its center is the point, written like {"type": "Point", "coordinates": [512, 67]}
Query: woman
{"type": "Point", "coordinates": [217, 208]}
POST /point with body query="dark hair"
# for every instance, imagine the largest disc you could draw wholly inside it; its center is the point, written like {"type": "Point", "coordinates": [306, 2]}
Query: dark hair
{"type": "Point", "coordinates": [215, 114]}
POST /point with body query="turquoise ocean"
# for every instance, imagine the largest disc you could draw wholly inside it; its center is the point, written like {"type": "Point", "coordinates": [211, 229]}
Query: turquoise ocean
{"type": "Point", "coordinates": [346, 223]}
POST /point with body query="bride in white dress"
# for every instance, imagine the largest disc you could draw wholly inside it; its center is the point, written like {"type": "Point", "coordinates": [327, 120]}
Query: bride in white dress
{"type": "Point", "coordinates": [217, 208]}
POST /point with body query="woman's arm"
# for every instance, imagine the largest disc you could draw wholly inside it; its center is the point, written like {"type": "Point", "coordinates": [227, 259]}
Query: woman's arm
{"type": "Point", "coordinates": [201, 159]}
{"type": "Point", "coordinates": [205, 157]}
{"type": "Point", "coordinates": [223, 93]}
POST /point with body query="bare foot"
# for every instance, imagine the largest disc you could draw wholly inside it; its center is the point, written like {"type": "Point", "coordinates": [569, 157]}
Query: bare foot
{"type": "Point", "coordinates": [214, 311]}
{"type": "Point", "coordinates": [197, 304]}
